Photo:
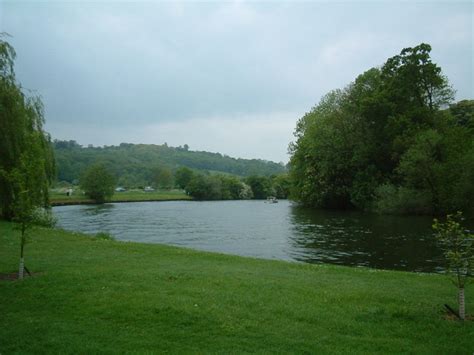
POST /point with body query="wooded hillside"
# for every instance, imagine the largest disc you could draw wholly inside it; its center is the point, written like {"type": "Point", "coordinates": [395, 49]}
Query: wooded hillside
{"type": "Point", "coordinates": [139, 164]}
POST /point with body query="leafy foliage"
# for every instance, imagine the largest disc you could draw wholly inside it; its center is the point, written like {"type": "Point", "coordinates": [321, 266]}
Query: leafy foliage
{"type": "Point", "coordinates": [98, 183]}
{"type": "Point", "coordinates": [458, 246]}
{"type": "Point", "coordinates": [384, 143]}
{"type": "Point", "coordinates": [183, 176]}
{"type": "Point", "coordinates": [26, 158]}
{"type": "Point", "coordinates": [104, 236]}
{"type": "Point", "coordinates": [227, 187]}
{"type": "Point", "coordinates": [261, 186]}
{"type": "Point", "coordinates": [463, 113]}
{"type": "Point", "coordinates": [137, 165]}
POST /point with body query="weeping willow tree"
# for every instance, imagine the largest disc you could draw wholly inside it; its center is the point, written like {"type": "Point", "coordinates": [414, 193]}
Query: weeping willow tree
{"type": "Point", "coordinates": [26, 156]}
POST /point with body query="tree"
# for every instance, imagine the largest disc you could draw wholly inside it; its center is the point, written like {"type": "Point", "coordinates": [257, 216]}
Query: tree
{"type": "Point", "coordinates": [98, 183]}
{"type": "Point", "coordinates": [203, 187]}
{"type": "Point", "coordinates": [163, 177]}
{"type": "Point", "coordinates": [261, 186]}
{"type": "Point", "coordinates": [458, 247]}
{"type": "Point", "coordinates": [231, 187]}
{"type": "Point", "coordinates": [383, 137]}
{"type": "Point", "coordinates": [26, 159]}
{"type": "Point", "coordinates": [413, 81]}
{"type": "Point", "coordinates": [281, 184]}
{"type": "Point", "coordinates": [463, 113]}
{"type": "Point", "coordinates": [23, 142]}
{"type": "Point", "coordinates": [183, 176]}
{"type": "Point", "coordinates": [246, 192]}
{"type": "Point", "coordinates": [322, 168]}
{"type": "Point", "coordinates": [23, 179]}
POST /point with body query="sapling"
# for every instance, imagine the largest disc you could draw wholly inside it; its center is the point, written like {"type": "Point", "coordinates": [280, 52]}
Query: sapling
{"type": "Point", "coordinates": [458, 248]}
{"type": "Point", "coordinates": [25, 218]}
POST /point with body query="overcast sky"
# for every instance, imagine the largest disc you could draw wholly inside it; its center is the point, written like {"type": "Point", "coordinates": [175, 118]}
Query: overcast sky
{"type": "Point", "coordinates": [229, 77]}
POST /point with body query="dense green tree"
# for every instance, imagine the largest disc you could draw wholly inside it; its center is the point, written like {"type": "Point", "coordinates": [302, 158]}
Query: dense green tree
{"type": "Point", "coordinates": [98, 183]}
{"type": "Point", "coordinates": [384, 143]}
{"type": "Point", "coordinates": [203, 187]}
{"type": "Point", "coordinates": [25, 148]}
{"type": "Point", "coordinates": [183, 176]}
{"type": "Point", "coordinates": [321, 164]}
{"type": "Point", "coordinates": [413, 83]}
{"type": "Point", "coordinates": [463, 113]}
{"type": "Point", "coordinates": [261, 186]}
{"type": "Point", "coordinates": [281, 185]}
{"type": "Point", "coordinates": [163, 177]}
{"type": "Point", "coordinates": [231, 187]}
{"type": "Point", "coordinates": [217, 187]}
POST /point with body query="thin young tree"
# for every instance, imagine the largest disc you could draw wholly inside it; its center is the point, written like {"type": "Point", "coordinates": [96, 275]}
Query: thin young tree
{"type": "Point", "coordinates": [24, 205]}
{"type": "Point", "coordinates": [458, 247]}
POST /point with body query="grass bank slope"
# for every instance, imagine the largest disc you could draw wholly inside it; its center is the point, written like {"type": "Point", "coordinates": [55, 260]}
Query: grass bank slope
{"type": "Point", "coordinates": [104, 296]}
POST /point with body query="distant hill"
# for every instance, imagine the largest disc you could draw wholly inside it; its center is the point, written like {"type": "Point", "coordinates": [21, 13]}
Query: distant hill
{"type": "Point", "coordinates": [137, 164]}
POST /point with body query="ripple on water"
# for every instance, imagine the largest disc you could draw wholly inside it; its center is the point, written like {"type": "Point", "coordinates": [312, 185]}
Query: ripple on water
{"type": "Point", "coordinates": [275, 231]}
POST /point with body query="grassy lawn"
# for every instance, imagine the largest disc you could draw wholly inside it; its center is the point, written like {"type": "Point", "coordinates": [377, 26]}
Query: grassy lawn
{"type": "Point", "coordinates": [103, 296]}
{"type": "Point", "coordinates": [59, 197]}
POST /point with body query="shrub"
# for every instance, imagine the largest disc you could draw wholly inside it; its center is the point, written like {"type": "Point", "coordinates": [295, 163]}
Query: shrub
{"type": "Point", "coordinates": [44, 217]}
{"type": "Point", "coordinates": [104, 236]}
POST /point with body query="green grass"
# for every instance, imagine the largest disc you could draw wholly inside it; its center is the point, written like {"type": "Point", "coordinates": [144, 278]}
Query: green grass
{"type": "Point", "coordinates": [97, 295]}
{"type": "Point", "coordinates": [58, 198]}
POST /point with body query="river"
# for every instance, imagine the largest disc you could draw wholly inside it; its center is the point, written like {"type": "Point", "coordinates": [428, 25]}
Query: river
{"type": "Point", "coordinates": [281, 230]}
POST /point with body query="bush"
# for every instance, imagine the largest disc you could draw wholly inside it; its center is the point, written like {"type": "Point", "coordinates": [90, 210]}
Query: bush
{"type": "Point", "coordinates": [104, 236]}
{"type": "Point", "coordinates": [44, 217]}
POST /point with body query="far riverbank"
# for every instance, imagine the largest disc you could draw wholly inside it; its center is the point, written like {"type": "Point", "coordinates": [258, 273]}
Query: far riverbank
{"type": "Point", "coordinates": [78, 198]}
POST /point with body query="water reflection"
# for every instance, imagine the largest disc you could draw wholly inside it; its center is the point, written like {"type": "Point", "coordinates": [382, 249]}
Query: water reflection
{"type": "Point", "coordinates": [353, 238]}
{"type": "Point", "coordinates": [275, 231]}
{"type": "Point", "coordinates": [97, 210]}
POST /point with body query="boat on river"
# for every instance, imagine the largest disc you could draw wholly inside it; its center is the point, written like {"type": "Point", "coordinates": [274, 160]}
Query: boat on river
{"type": "Point", "coordinates": [271, 199]}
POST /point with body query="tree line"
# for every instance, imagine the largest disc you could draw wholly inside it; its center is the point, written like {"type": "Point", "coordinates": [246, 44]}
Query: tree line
{"type": "Point", "coordinates": [227, 187]}
{"type": "Point", "coordinates": [99, 183]}
{"type": "Point", "coordinates": [392, 141]}
{"type": "Point", "coordinates": [137, 165]}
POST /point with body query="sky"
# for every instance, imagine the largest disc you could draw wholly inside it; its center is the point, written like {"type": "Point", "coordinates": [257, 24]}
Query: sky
{"type": "Point", "coordinates": [230, 77]}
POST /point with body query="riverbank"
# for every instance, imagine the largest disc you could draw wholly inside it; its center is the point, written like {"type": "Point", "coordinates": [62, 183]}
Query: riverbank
{"type": "Point", "coordinates": [103, 296]}
{"type": "Point", "coordinates": [77, 198]}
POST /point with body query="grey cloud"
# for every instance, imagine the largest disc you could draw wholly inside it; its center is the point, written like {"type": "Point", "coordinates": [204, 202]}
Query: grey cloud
{"type": "Point", "coordinates": [141, 63]}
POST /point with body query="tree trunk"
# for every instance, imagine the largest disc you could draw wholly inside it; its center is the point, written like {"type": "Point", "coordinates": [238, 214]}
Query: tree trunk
{"type": "Point", "coordinates": [21, 270]}
{"type": "Point", "coordinates": [462, 310]}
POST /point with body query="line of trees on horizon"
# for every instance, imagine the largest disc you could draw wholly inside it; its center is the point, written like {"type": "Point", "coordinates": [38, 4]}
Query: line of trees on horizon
{"type": "Point", "coordinates": [98, 183]}
{"type": "Point", "coordinates": [140, 164]}
{"type": "Point", "coordinates": [226, 187]}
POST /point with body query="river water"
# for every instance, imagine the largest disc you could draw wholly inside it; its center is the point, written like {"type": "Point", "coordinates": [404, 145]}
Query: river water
{"type": "Point", "coordinates": [281, 230]}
